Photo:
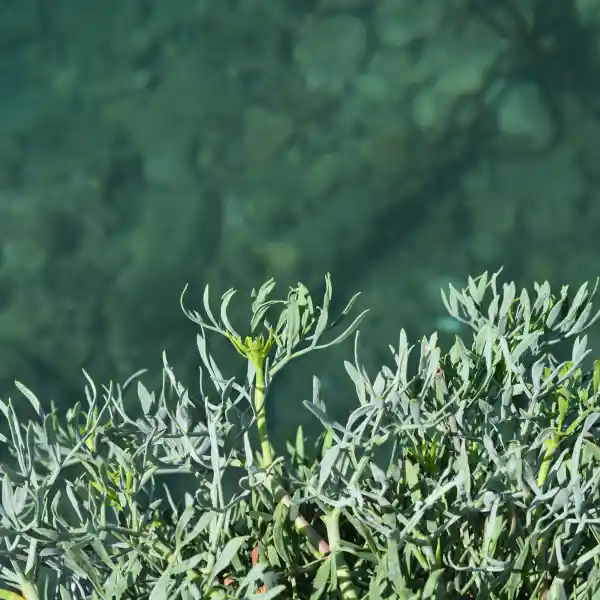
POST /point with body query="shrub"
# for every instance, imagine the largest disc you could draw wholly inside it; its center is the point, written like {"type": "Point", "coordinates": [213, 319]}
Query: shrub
{"type": "Point", "coordinates": [475, 476]}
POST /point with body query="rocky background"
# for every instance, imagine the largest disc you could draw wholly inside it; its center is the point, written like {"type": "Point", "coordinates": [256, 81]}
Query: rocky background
{"type": "Point", "coordinates": [399, 144]}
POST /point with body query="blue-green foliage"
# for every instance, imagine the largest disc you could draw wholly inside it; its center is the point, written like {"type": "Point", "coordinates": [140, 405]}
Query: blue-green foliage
{"type": "Point", "coordinates": [472, 473]}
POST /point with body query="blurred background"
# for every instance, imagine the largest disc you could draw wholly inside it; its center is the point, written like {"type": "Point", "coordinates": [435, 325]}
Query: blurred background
{"type": "Point", "coordinates": [399, 144]}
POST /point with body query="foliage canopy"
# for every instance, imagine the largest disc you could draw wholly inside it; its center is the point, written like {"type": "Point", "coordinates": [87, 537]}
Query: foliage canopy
{"type": "Point", "coordinates": [474, 474]}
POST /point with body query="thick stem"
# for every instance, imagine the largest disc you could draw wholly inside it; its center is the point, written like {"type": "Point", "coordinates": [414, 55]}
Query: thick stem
{"type": "Point", "coordinates": [261, 416]}
{"type": "Point", "coordinates": [302, 526]}
{"type": "Point", "coordinates": [280, 495]}
{"type": "Point", "coordinates": [344, 578]}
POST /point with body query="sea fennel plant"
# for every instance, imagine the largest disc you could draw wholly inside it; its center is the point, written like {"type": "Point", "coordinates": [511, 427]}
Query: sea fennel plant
{"type": "Point", "coordinates": [467, 474]}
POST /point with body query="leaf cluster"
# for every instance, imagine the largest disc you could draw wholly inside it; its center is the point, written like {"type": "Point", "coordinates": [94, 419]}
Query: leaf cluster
{"type": "Point", "coordinates": [474, 475]}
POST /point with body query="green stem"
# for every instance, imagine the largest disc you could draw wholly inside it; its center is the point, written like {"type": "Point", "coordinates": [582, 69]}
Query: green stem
{"type": "Point", "coordinates": [280, 494]}
{"type": "Point", "coordinates": [261, 416]}
{"type": "Point", "coordinates": [345, 584]}
{"type": "Point", "coordinates": [28, 590]}
{"type": "Point", "coordinates": [302, 526]}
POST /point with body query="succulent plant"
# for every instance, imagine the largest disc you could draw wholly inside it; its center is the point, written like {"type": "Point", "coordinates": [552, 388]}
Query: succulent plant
{"type": "Point", "coordinates": [471, 473]}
